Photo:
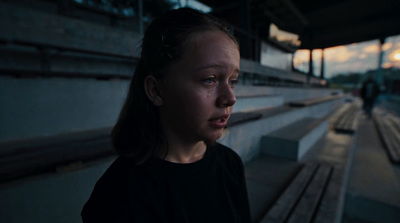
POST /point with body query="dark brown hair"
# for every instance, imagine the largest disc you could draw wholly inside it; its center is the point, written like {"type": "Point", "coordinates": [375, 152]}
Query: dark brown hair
{"type": "Point", "coordinates": [138, 133]}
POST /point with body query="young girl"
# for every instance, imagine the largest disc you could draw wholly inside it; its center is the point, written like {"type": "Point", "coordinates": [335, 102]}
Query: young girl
{"type": "Point", "coordinates": [170, 168]}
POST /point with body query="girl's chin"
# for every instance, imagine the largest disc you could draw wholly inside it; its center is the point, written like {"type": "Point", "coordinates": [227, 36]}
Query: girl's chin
{"type": "Point", "coordinates": [213, 139]}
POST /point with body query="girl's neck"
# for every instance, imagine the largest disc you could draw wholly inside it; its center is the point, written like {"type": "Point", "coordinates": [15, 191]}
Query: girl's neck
{"type": "Point", "coordinates": [185, 152]}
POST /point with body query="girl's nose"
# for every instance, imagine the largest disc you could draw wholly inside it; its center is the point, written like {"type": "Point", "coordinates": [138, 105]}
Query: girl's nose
{"type": "Point", "coordinates": [226, 97]}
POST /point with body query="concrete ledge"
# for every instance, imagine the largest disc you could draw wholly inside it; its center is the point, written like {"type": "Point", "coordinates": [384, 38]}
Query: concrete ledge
{"type": "Point", "coordinates": [294, 140]}
{"type": "Point", "coordinates": [257, 102]}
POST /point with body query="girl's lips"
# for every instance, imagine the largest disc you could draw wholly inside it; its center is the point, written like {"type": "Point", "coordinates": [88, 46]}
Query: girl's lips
{"type": "Point", "coordinates": [219, 123]}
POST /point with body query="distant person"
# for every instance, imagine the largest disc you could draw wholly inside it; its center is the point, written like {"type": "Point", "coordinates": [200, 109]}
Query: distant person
{"type": "Point", "coordinates": [170, 168]}
{"type": "Point", "coordinates": [369, 92]}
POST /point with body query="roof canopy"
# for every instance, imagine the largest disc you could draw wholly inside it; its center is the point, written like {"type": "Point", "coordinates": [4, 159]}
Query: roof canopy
{"type": "Point", "coordinates": [320, 24]}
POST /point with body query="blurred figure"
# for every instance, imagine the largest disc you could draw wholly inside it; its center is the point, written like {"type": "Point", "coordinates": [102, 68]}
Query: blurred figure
{"type": "Point", "coordinates": [369, 92]}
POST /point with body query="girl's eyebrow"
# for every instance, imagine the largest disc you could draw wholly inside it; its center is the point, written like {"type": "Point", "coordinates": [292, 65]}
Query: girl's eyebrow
{"type": "Point", "coordinates": [237, 70]}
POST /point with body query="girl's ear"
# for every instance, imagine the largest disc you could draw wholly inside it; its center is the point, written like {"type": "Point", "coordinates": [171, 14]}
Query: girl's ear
{"type": "Point", "coordinates": [152, 89]}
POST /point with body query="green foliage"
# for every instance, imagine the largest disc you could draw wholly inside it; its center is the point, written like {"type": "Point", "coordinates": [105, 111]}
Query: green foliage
{"type": "Point", "coordinates": [344, 87]}
{"type": "Point", "coordinates": [352, 78]}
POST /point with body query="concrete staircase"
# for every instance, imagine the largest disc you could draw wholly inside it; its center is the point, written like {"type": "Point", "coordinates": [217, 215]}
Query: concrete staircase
{"type": "Point", "coordinates": [287, 149]}
{"type": "Point", "coordinates": [32, 198]}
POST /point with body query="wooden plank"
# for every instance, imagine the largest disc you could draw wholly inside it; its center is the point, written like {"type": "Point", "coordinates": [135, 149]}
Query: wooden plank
{"type": "Point", "coordinates": [348, 121]}
{"type": "Point", "coordinates": [395, 121]}
{"type": "Point", "coordinates": [306, 208]}
{"type": "Point", "coordinates": [393, 139]}
{"type": "Point", "coordinates": [288, 200]}
{"type": "Point", "coordinates": [389, 137]}
{"type": "Point", "coordinates": [313, 101]}
{"type": "Point", "coordinates": [26, 26]}
{"type": "Point", "coordinates": [342, 118]}
{"type": "Point", "coordinates": [331, 204]}
{"type": "Point", "coordinates": [32, 156]}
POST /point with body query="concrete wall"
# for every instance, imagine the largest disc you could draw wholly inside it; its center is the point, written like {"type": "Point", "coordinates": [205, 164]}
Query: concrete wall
{"type": "Point", "coordinates": [35, 107]}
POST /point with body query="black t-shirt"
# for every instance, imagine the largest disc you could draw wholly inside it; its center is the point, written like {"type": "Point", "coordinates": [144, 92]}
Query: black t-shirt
{"type": "Point", "coordinates": [212, 189]}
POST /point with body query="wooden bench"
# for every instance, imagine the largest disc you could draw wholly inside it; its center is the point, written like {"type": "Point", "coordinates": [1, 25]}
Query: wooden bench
{"type": "Point", "coordinates": [313, 101]}
{"type": "Point", "coordinates": [25, 157]}
{"type": "Point", "coordinates": [348, 120]}
{"type": "Point", "coordinates": [389, 130]}
{"type": "Point", "coordinates": [312, 196]}
{"type": "Point", "coordinates": [241, 117]}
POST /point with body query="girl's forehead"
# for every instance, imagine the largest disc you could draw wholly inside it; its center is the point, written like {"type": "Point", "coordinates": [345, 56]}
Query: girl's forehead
{"type": "Point", "coordinates": [201, 41]}
{"type": "Point", "coordinates": [213, 49]}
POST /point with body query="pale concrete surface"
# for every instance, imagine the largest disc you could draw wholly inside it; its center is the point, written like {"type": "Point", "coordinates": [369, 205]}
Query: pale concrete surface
{"type": "Point", "coordinates": [257, 102]}
{"type": "Point", "coordinates": [373, 193]}
{"type": "Point", "coordinates": [294, 140]}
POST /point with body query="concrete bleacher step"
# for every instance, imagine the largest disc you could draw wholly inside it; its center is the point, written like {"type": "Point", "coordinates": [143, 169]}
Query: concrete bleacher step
{"type": "Point", "coordinates": [294, 140]}
{"type": "Point", "coordinates": [373, 192]}
{"type": "Point", "coordinates": [255, 102]}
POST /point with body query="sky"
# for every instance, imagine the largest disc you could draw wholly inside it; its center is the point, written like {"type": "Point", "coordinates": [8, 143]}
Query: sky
{"type": "Point", "coordinates": [352, 58]}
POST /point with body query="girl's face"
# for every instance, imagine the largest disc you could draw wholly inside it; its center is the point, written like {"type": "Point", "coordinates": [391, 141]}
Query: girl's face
{"type": "Point", "coordinates": [197, 90]}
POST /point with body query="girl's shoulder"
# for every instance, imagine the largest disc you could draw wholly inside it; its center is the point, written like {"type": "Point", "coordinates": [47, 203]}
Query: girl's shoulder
{"type": "Point", "coordinates": [228, 156]}
{"type": "Point", "coordinates": [117, 173]}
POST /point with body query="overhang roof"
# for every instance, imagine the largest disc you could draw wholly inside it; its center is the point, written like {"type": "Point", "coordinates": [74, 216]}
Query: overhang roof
{"type": "Point", "coordinates": [320, 24]}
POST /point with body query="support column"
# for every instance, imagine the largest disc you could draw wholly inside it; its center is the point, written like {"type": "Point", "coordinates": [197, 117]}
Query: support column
{"type": "Point", "coordinates": [310, 68]}
{"type": "Point", "coordinates": [292, 64]}
{"type": "Point", "coordinates": [322, 75]}
{"type": "Point", "coordinates": [379, 76]}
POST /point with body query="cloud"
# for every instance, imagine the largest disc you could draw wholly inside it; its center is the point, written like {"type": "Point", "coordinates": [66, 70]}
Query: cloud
{"type": "Point", "coordinates": [357, 58]}
{"type": "Point", "coordinates": [339, 54]}
{"type": "Point", "coordinates": [301, 56]}
{"type": "Point", "coordinates": [371, 49]}
{"type": "Point", "coordinates": [387, 46]}
{"type": "Point", "coordinates": [363, 56]}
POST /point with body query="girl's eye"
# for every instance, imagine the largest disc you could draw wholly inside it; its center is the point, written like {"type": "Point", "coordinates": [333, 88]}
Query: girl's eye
{"type": "Point", "coordinates": [209, 80]}
{"type": "Point", "coordinates": [233, 82]}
